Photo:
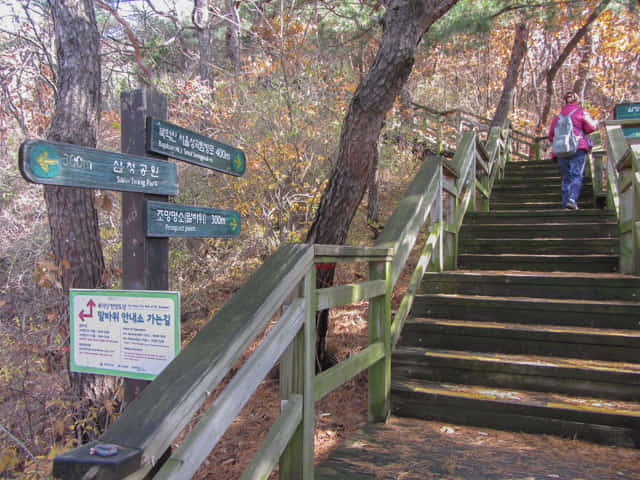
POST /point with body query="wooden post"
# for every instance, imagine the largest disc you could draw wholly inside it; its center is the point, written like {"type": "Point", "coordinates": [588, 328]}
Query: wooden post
{"type": "Point", "coordinates": [439, 147]}
{"type": "Point", "coordinates": [380, 331]}
{"type": "Point", "coordinates": [145, 261]}
{"type": "Point", "coordinates": [635, 214]}
{"type": "Point", "coordinates": [538, 149]}
{"type": "Point", "coordinates": [435, 217]}
{"type": "Point", "coordinates": [297, 376]}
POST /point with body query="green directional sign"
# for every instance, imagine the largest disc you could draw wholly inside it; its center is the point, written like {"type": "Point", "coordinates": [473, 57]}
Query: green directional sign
{"type": "Point", "coordinates": [179, 143]}
{"type": "Point", "coordinates": [69, 165]}
{"type": "Point", "coordinates": [173, 220]}
{"type": "Point", "coordinates": [628, 111]}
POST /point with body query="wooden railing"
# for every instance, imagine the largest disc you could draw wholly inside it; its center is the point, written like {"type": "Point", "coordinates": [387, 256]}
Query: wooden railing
{"type": "Point", "coordinates": [284, 287]}
{"type": "Point", "coordinates": [616, 174]}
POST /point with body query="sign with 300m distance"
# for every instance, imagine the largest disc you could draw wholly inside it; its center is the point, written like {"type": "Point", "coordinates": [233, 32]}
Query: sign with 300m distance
{"type": "Point", "coordinates": [173, 220]}
{"type": "Point", "coordinates": [176, 142]}
{"type": "Point", "coordinates": [69, 165]}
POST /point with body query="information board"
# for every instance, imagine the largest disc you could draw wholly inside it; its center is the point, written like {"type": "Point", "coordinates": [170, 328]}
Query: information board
{"type": "Point", "coordinates": [54, 163]}
{"type": "Point", "coordinates": [628, 111]}
{"type": "Point", "coordinates": [173, 220]}
{"type": "Point", "coordinates": [125, 333]}
{"type": "Point", "coordinates": [176, 142]}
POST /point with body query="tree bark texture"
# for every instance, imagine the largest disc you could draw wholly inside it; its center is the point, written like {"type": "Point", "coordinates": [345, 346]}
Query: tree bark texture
{"type": "Point", "coordinates": [201, 20]}
{"type": "Point", "coordinates": [404, 24]}
{"type": "Point", "coordinates": [518, 53]}
{"type": "Point", "coordinates": [552, 72]}
{"type": "Point", "coordinates": [584, 69]}
{"type": "Point", "coordinates": [233, 34]}
{"type": "Point", "coordinates": [73, 219]}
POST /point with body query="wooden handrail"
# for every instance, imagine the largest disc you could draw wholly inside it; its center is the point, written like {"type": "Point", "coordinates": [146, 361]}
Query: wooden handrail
{"type": "Point", "coordinates": [286, 283]}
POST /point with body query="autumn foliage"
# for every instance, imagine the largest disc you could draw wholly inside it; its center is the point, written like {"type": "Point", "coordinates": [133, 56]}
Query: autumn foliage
{"type": "Point", "coordinates": [299, 69]}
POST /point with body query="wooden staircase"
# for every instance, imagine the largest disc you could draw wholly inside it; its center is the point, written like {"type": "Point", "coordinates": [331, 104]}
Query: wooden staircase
{"type": "Point", "coordinates": [536, 332]}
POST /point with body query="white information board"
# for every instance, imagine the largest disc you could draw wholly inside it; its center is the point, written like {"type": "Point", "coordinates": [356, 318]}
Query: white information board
{"type": "Point", "coordinates": [125, 333]}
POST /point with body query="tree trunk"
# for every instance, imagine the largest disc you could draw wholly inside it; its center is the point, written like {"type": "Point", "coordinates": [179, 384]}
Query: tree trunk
{"type": "Point", "coordinates": [584, 69]}
{"type": "Point", "coordinates": [201, 20]}
{"type": "Point", "coordinates": [233, 34]}
{"type": "Point", "coordinates": [75, 235]}
{"type": "Point", "coordinates": [551, 73]}
{"type": "Point", "coordinates": [518, 53]}
{"type": "Point", "coordinates": [404, 24]}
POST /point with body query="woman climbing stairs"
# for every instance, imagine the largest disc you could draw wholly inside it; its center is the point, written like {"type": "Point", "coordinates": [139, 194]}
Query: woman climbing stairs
{"type": "Point", "coordinates": [535, 332]}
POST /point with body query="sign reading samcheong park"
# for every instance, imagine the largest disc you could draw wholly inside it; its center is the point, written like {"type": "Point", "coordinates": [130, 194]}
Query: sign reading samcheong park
{"type": "Point", "coordinates": [176, 142]}
{"type": "Point", "coordinates": [126, 333]}
{"type": "Point", "coordinates": [63, 164]}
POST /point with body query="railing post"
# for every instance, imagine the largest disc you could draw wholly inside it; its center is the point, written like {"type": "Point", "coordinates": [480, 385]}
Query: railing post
{"type": "Point", "coordinates": [436, 217]}
{"type": "Point", "coordinates": [380, 331]}
{"type": "Point", "coordinates": [297, 376]}
{"type": "Point", "coordinates": [635, 214]}
{"type": "Point", "coordinates": [440, 139]}
{"type": "Point", "coordinates": [538, 149]}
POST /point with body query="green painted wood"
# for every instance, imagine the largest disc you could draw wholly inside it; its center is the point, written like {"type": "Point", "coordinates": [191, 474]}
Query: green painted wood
{"type": "Point", "coordinates": [351, 252]}
{"type": "Point", "coordinates": [182, 144]}
{"type": "Point", "coordinates": [345, 294]}
{"type": "Point", "coordinates": [401, 231]}
{"type": "Point", "coordinates": [536, 414]}
{"type": "Point", "coordinates": [539, 374]}
{"type": "Point", "coordinates": [379, 374]}
{"type": "Point", "coordinates": [551, 285]}
{"type": "Point", "coordinates": [53, 163]}
{"type": "Point", "coordinates": [541, 311]}
{"type": "Point", "coordinates": [196, 446]}
{"type": "Point", "coordinates": [266, 458]}
{"type": "Point", "coordinates": [414, 284]}
{"type": "Point", "coordinates": [328, 380]}
{"type": "Point", "coordinates": [513, 338]}
{"type": "Point", "coordinates": [464, 157]}
{"type": "Point", "coordinates": [151, 423]}
{"type": "Point", "coordinates": [174, 220]}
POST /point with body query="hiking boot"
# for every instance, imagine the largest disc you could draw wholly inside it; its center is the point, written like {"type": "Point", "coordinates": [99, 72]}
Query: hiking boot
{"type": "Point", "coordinates": [572, 205]}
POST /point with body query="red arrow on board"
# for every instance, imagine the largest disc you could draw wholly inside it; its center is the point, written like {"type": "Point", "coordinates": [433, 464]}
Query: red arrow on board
{"type": "Point", "coordinates": [83, 315]}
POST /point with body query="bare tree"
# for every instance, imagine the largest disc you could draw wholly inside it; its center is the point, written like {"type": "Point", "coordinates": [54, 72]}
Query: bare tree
{"type": "Point", "coordinates": [518, 53]}
{"type": "Point", "coordinates": [404, 23]}
{"type": "Point", "coordinates": [75, 235]}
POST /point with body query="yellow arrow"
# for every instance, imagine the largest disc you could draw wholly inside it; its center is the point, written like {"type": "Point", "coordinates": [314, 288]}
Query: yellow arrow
{"type": "Point", "coordinates": [45, 162]}
{"type": "Point", "coordinates": [237, 161]}
{"type": "Point", "coordinates": [233, 222]}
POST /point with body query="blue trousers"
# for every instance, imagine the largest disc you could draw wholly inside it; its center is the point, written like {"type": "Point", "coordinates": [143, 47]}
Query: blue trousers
{"type": "Point", "coordinates": [572, 169]}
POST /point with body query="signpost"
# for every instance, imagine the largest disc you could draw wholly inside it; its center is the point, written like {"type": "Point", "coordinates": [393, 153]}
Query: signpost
{"type": "Point", "coordinates": [176, 142]}
{"type": "Point", "coordinates": [132, 334]}
{"type": "Point", "coordinates": [69, 165]}
{"type": "Point", "coordinates": [629, 111]}
{"type": "Point", "coordinates": [173, 220]}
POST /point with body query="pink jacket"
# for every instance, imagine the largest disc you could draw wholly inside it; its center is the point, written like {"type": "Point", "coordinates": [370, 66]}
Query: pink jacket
{"type": "Point", "coordinates": [582, 122]}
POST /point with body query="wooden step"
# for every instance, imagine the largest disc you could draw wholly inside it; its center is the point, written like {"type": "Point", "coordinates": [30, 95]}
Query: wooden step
{"type": "Point", "coordinates": [584, 313]}
{"type": "Point", "coordinates": [533, 205]}
{"type": "Point", "coordinates": [534, 196]}
{"type": "Point", "coordinates": [540, 263]}
{"type": "Point", "coordinates": [522, 339]}
{"type": "Point", "coordinates": [611, 423]}
{"type": "Point", "coordinates": [543, 246]}
{"type": "Point", "coordinates": [569, 376]}
{"type": "Point", "coordinates": [568, 227]}
{"type": "Point", "coordinates": [601, 287]}
{"type": "Point", "coordinates": [557, 215]}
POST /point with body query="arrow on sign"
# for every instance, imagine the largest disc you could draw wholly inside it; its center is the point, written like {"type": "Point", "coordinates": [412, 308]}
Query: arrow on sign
{"type": "Point", "coordinates": [45, 162]}
{"type": "Point", "coordinates": [83, 315]}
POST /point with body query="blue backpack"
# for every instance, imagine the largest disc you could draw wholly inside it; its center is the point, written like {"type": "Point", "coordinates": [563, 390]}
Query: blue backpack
{"type": "Point", "coordinates": [565, 141]}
